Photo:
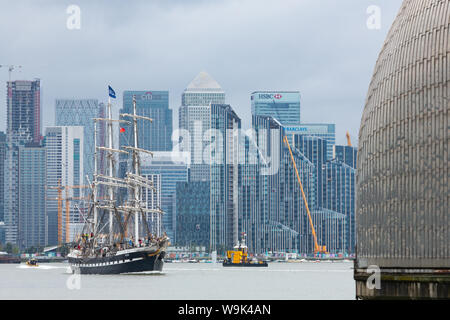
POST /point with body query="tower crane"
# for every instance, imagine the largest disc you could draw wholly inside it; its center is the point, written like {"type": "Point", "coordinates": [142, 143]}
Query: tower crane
{"type": "Point", "coordinates": [317, 248]}
{"type": "Point", "coordinates": [10, 69]}
{"type": "Point", "coordinates": [349, 142]}
{"type": "Point", "coordinates": [60, 199]}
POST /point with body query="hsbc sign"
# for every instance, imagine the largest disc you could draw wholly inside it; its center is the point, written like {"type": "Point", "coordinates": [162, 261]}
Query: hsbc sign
{"type": "Point", "coordinates": [270, 96]}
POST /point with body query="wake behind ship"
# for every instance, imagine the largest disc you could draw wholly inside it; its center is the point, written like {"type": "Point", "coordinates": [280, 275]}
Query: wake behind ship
{"type": "Point", "coordinates": [119, 237]}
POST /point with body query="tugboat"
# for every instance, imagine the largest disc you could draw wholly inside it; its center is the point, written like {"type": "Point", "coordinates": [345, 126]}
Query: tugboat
{"type": "Point", "coordinates": [113, 251]}
{"type": "Point", "coordinates": [239, 257]}
{"type": "Point", "coordinates": [32, 263]}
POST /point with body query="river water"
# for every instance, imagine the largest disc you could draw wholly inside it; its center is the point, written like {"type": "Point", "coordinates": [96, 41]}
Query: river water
{"type": "Point", "coordinates": [184, 281]}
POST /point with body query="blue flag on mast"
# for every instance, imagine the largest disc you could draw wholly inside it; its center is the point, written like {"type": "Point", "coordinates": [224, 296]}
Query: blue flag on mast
{"type": "Point", "coordinates": [112, 94]}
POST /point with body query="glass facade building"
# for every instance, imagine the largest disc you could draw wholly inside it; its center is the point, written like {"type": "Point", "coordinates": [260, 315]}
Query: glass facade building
{"type": "Point", "coordinates": [324, 131]}
{"type": "Point", "coordinates": [81, 112]}
{"type": "Point", "coordinates": [346, 154]}
{"type": "Point", "coordinates": [24, 108]}
{"type": "Point", "coordinates": [2, 174]}
{"type": "Point", "coordinates": [65, 147]}
{"type": "Point", "coordinates": [272, 211]}
{"type": "Point", "coordinates": [172, 169]}
{"type": "Point", "coordinates": [192, 204]}
{"type": "Point", "coordinates": [153, 136]}
{"type": "Point", "coordinates": [339, 196]}
{"type": "Point", "coordinates": [32, 186]}
{"type": "Point", "coordinates": [224, 176]}
{"type": "Point", "coordinates": [281, 105]}
{"type": "Point", "coordinates": [195, 117]}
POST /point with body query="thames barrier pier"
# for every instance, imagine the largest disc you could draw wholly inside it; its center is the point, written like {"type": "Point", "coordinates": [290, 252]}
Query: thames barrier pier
{"type": "Point", "coordinates": [402, 213]}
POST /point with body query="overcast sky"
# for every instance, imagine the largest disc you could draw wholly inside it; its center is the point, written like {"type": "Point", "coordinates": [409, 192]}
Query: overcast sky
{"type": "Point", "coordinates": [322, 48]}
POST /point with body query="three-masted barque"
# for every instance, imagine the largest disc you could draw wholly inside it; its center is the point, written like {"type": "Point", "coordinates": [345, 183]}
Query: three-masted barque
{"type": "Point", "coordinates": [131, 239]}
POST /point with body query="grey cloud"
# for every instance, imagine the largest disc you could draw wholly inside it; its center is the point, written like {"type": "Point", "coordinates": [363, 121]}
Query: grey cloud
{"type": "Point", "coordinates": [320, 47]}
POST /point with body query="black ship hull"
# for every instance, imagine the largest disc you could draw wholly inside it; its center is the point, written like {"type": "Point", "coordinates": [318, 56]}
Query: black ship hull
{"type": "Point", "coordinates": [128, 262]}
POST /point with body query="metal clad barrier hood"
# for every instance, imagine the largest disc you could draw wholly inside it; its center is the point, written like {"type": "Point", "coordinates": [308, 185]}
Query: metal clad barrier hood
{"type": "Point", "coordinates": [402, 213]}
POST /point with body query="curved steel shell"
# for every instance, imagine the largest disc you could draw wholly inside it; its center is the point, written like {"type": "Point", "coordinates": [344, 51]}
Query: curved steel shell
{"type": "Point", "coordinates": [403, 182]}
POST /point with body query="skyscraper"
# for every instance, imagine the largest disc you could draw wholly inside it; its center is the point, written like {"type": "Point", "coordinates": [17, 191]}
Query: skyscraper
{"type": "Point", "coordinates": [81, 112]}
{"type": "Point", "coordinates": [24, 108]}
{"type": "Point", "coordinates": [154, 136]}
{"type": "Point", "coordinates": [64, 167]}
{"type": "Point", "coordinates": [172, 169]}
{"type": "Point", "coordinates": [192, 204]}
{"type": "Point", "coordinates": [281, 105]}
{"type": "Point", "coordinates": [32, 186]}
{"type": "Point", "coordinates": [338, 192]}
{"type": "Point", "coordinates": [315, 149]}
{"type": "Point", "coordinates": [195, 118]}
{"type": "Point", "coordinates": [2, 174]}
{"type": "Point", "coordinates": [152, 200]}
{"type": "Point", "coordinates": [223, 158]}
{"type": "Point", "coordinates": [325, 131]}
{"type": "Point", "coordinates": [23, 127]}
{"type": "Point", "coordinates": [272, 210]}
{"type": "Point", "coordinates": [346, 154]}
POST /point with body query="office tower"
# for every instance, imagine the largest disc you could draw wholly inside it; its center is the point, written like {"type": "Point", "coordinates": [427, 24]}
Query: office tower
{"type": "Point", "coordinates": [192, 202]}
{"type": "Point", "coordinates": [23, 127]}
{"type": "Point", "coordinates": [202, 91]}
{"type": "Point", "coordinates": [173, 168]}
{"type": "Point", "coordinates": [81, 112]}
{"type": "Point", "coordinates": [331, 230]}
{"type": "Point", "coordinates": [15, 139]}
{"type": "Point", "coordinates": [153, 136]}
{"type": "Point", "coordinates": [326, 131]}
{"type": "Point", "coordinates": [2, 233]}
{"type": "Point", "coordinates": [315, 149]}
{"type": "Point", "coordinates": [223, 158]}
{"type": "Point", "coordinates": [339, 196]}
{"type": "Point", "coordinates": [272, 211]}
{"type": "Point", "coordinates": [2, 174]}
{"type": "Point", "coordinates": [195, 117]}
{"type": "Point", "coordinates": [65, 146]}
{"type": "Point", "coordinates": [32, 186]}
{"type": "Point", "coordinates": [152, 200]}
{"type": "Point", "coordinates": [24, 109]}
{"type": "Point", "coordinates": [346, 154]}
{"type": "Point", "coordinates": [281, 105]}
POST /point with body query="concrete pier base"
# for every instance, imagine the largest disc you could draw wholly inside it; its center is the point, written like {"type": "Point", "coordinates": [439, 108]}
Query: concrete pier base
{"type": "Point", "coordinates": [403, 284]}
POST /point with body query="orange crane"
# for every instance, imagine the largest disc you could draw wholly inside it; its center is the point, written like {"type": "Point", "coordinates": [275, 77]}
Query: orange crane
{"type": "Point", "coordinates": [60, 199]}
{"type": "Point", "coordinates": [317, 248]}
{"type": "Point", "coordinates": [349, 142]}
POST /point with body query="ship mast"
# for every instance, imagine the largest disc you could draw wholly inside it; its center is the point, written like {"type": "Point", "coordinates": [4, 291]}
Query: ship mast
{"type": "Point", "coordinates": [136, 172]}
{"type": "Point", "coordinates": [111, 191]}
{"type": "Point", "coordinates": [94, 185]}
{"type": "Point", "coordinates": [134, 179]}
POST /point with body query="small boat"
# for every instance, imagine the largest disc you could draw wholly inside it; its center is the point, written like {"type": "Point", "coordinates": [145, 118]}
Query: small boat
{"type": "Point", "coordinates": [239, 257]}
{"type": "Point", "coordinates": [32, 263]}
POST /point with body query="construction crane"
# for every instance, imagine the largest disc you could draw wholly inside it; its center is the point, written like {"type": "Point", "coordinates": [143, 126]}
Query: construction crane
{"type": "Point", "coordinates": [317, 248]}
{"type": "Point", "coordinates": [349, 142]}
{"type": "Point", "coordinates": [10, 69]}
{"type": "Point", "coordinates": [60, 199]}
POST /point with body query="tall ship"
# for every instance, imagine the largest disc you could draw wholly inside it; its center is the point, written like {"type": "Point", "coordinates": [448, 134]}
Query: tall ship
{"type": "Point", "coordinates": [120, 234]}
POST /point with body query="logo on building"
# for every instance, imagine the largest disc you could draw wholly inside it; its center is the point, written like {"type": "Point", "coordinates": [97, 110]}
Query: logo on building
{"type": "Point", "coordinates": [270, 96]}
{"type": "Point", "coordinates": [147, 96]}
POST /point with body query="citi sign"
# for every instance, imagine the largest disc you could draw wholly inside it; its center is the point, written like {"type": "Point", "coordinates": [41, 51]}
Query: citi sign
{"type": "Point", "coordinates": [270, 96]}
{"type": "Point", "coordinates": [147, 96]}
